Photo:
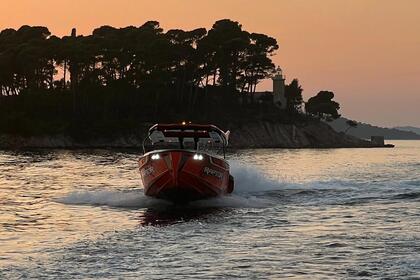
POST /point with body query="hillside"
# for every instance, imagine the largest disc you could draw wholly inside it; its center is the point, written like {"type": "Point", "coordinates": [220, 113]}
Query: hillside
{"type": "Point", "coordinates": [365, 131]}
{"type": "Point", "coordinates": [409, 128]}
{"type": "Point", "coordinates": [261, 134]}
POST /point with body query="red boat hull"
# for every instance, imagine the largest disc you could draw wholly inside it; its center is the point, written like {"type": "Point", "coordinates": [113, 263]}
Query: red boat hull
{"type": "Point", "coordinates": [180, 175]}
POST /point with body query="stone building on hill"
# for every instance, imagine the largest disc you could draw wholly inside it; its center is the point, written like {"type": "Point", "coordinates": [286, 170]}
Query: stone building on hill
{"type": "Point", "coordinates": [277, 95]}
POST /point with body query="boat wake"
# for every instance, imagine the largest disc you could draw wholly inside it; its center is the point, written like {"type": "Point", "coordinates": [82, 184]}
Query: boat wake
{"type": "Point", "coordinates": [127, 199]}
{"type": "Point", "coordinates": [250, 179]}
{"type": "Point", "coordinates": [249, 183]}
{"type": "Point", "coordinates": [253, 189]}
{"type": "Point", "coordinates": [136, 199]}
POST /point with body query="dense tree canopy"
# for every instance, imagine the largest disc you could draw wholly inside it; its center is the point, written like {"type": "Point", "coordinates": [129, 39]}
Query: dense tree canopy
{"type": "Point", "coordinates": [293, 93]}
{"type": "Point", "coordinates": [119, 77]}
{"type": "Point", "coordinates": [323, 106]}
{"type": "Point", "coordinates": [133, 73]}
{"type": "Point", "coordinates": [30, 58]}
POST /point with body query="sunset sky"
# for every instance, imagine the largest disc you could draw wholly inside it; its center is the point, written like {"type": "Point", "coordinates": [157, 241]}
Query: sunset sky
{"type": "Point", "coordinates": [366, 51]}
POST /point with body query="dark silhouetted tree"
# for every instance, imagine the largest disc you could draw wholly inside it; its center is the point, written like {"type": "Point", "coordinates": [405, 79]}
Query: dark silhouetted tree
{"type": "Point", "coordinates": [132, 74]}
{"type": "Point", "coordinates": [257, 65]}
{"type": "Point", "coordinates": [323, 106]}
{"type": "Point", "coordinates": [293, 93]}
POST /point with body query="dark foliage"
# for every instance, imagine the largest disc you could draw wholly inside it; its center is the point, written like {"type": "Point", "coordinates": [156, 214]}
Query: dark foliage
{"type": "Point", "coordinates": [293, 93]}
{"type": "Point", "coordinates": [116, 78]}
{"type": "Point", "coordinates": [323, 106]}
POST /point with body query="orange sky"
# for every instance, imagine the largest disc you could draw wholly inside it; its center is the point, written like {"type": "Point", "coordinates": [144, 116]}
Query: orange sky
{"type": "Point", "coordinates": [366, 51]}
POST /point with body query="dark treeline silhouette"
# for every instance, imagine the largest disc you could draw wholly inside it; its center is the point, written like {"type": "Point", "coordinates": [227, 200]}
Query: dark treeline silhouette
{"type": "Point", "coordinates": [116, 78]}
{"type": "Point", "coordinates": [293, 94]}
{"type": "Point", "coordinates": [323, 106]}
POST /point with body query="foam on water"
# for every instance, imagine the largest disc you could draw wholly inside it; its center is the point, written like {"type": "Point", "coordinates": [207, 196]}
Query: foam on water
{"type": "Point", "coordinates": [111, 198]}
{"type": "Point", "coordinates": [248, 180]}
{"type": "Point", "coordinates": [252, 190]}
{"type": "Point", "coordinates": [136, 199]}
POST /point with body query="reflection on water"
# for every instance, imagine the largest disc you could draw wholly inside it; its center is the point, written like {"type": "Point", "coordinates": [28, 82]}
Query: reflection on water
{"type": "Point", "coordinates": [339, 213]}
{"type": "Point", "coordinates": [174, 215]}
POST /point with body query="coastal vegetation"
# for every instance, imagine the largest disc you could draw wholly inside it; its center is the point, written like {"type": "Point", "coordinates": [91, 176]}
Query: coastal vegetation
{"type": "Point", "coordinates": [323, 106]}
{"type": "Point", "coordinates": [116, 78]}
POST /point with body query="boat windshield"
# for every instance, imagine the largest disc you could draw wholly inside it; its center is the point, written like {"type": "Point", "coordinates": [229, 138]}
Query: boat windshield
{"type": "Point", "coordinates": [207, 138]}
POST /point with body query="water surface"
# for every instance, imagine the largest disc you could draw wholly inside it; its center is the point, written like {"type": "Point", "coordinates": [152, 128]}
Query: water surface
{"type": "Point", "coordinates": [318, 213]}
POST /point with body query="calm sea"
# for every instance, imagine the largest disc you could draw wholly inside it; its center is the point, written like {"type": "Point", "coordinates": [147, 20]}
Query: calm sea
{"type": "Point", "coordinates": [298, 214]}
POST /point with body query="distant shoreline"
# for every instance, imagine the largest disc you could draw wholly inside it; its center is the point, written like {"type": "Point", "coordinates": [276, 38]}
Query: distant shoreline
{"type": "Point", "coordinates": [365, 131]}
{"type": "Point", "coordinates": [257, 135]}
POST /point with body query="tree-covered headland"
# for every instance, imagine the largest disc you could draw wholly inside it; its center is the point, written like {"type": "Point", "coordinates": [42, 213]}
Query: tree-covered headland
{"type": "Point", "coordinates": [117, 78]}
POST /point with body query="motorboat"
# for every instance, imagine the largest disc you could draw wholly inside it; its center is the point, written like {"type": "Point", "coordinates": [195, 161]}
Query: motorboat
{"type": "Point", "coordinates": [187, 162]}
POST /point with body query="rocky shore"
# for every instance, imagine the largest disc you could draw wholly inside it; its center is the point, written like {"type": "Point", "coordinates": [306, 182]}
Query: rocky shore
{"type": "Point", "coordinates": [254, 135]}
{"type": "Point", "coordinates": [311, 135]}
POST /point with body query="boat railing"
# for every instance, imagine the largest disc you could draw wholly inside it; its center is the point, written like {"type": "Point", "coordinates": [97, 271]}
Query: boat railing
{"type": "Point", "coordinates": [189, 136]}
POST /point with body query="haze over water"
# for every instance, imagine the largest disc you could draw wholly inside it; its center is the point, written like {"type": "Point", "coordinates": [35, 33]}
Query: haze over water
{"type": "Point", "coordinates": [323, 214]}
